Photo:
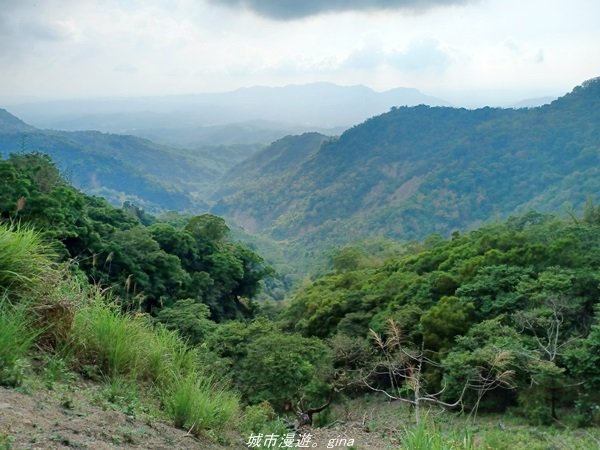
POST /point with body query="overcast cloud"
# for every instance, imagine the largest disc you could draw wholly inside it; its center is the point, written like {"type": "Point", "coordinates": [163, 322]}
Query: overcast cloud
{"type": "Point", "coordinates": [467, 52]}
{"type": "Point", "coordinates": [294, 9]}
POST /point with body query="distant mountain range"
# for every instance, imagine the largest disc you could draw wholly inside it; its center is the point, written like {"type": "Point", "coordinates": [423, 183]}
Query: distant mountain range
{"type": "Point", "coordinates": [256, 115]}
{"type": "Point", "coordinates": [417, 170]}
{"type": "Point", "coordinates": [533, 102]}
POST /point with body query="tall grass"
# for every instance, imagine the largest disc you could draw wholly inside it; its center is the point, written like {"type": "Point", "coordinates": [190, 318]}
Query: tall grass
{"type": "Point", "coordinates": [196, 404]}
{"type": "Point", "coordinates": [166, 357]}
{"type": "Point", "coordinates": [24, 258]}
{"type": "Point", "coordinates": [62, 312]}
{"type": "Point", "coordinates": [427, 437]}
{"type": "Point", "coordinates": [16, 338]}
{"type": "Point", "coordinates": [121, 345]}
{"type": "Point", "coordinates": [104, 337]}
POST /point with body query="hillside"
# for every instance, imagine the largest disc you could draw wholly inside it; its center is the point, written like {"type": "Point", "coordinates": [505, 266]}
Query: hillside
{"type": "Point", "coordinates": [126, 168]}
{"type": "Point", "coordinates": [121, 327]}
{"type": "Point", "coordinates": [418, 170]}
{"type": "Point", "coordinates": [12, 124]}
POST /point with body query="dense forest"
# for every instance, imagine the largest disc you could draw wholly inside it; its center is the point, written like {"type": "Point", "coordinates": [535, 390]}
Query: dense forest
{"type": "Point", "coordinates": [500, 319]}
{"type": "Point", "coordinates": [149, 264]}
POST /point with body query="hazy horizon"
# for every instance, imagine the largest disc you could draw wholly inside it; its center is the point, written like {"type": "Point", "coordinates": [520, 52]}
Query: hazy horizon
{"type": "Point", "coordinates": [506, 99]}
{"type": "Point", "coordinates": [468, 52]}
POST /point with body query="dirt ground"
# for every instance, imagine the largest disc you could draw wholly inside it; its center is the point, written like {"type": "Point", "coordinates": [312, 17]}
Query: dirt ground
{"type": "Point", "coordinates": [47, 420]}
{"type": "Point", "coordinates": [57, 419]}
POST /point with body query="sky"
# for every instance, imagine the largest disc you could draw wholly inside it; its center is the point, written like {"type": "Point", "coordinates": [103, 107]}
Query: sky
{"type": "Point", "coordinates": [468, 52]}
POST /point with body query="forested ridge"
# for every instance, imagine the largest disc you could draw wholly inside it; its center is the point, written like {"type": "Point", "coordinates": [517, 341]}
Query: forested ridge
{"type": "Point", "coordinates": [149, 264]}
{"type": "Point", "coordinates": [127, 168]}
{"type": "Point", "coordinates": [418, 170]}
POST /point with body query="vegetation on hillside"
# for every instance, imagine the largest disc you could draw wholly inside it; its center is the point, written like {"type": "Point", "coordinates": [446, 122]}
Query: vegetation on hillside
{"type": "Point", "coordinates": [126, 168]}
{"type": "Point", "coordinates": [149, 265]}
{"type": "Point", "coordinates": [525, 291]}
{"type": "Point", "coordinates": [75, 323]}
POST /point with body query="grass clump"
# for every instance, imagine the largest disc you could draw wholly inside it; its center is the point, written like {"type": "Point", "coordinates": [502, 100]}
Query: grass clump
{"type": "Point", "coordinates": [426, 436]}
{"type": "Point", "coordinates": [166, 357]}
{"type": "Point", "coordinates": [23, 258]}
{"type": "Point", "coordinates": [197, 404]}
{"type": "Point", "coordinates": [16, 338]}
{"type": "Point", "coordinates": [130, 348]}
{"type": "Point", "coordinates": [121, 344]}
{"type": "Point", "coordinates": [106, 338]}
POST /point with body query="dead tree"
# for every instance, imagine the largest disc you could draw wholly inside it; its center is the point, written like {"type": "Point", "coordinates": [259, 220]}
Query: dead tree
{"type": "Point", "coordinates": [404, 366]}
{"type": "Point", "coordinates": [546, 325]}
{"type": "Point", "coordinates": [305, 415]}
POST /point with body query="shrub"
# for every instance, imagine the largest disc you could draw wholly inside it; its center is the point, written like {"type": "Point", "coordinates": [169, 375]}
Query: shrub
{"type": "Point", "coordinates": [281, 367]}
{"type": "Point", "coordinates": [262, 419]}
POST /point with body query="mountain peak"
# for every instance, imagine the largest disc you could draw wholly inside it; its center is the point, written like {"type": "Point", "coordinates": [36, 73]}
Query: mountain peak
{"type": "Point", "coordinates": [585, 96]}
{"type": "Point", "coordinates": [592, 82]}
{"type": "Point", "coordinates": [12, 124]}
{"type": "Point", "coordinates": [588, 88]}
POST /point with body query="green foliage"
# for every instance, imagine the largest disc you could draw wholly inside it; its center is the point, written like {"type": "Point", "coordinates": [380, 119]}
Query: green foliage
{"type": "Point", "coordinates": [426, 436]}
{"type": "Point", "coordinates": [120, 344]}
{"type": "Point", "coordinates": [584, 359]}
{"type": "Point", "coordinates": [56, 370]}
{"type": "Point", "coordinates": [267, 364]}
{"type": "Point", "coordinates": [418, 170]}
{"type": "Point", "coordinates": [5, 441]}
{"type": "Point", "coordinates": [446, 319]}
{"type": "Point", "coordinates": [129, 351]}
{"type": "Point", "coordinates": [122, 394]}
{"type": "Point", "coordinates": [188, 318]}
{"type": "Point", "coordinates": [279, 367]}
{"type": "Point", "coordinates": [148, 265]}
{"type": "Point", "coordinates": [507, 306]}
{"type": "Point", "coordinates": [108, 338]}
{"type": "Point", "coordinates": [261, 419]}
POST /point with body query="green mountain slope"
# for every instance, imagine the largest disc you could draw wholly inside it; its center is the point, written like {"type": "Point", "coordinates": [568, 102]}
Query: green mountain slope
{"type": "Point", "coordinates": [12, 124]}
{"type": "Point", "coordinates": [418, 170]}
{"type": "Point", "coordinates": [122, 167]}
{"type": "Point", "coordinates": [98, 173]}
